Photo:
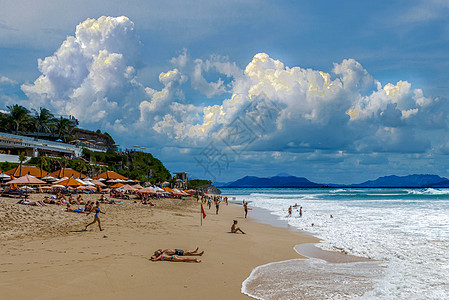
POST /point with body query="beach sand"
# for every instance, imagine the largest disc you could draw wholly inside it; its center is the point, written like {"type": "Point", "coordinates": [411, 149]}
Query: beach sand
{"type": "Point", "coordinates": [45, 254]}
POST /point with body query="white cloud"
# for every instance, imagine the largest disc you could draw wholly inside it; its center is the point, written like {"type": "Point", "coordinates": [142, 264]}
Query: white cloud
{"type": "Point", "coordinates": [348, 109]}
{"type": "Point", "coordinates": [7, 81]}
{"type": "Point", "coordinates": [92, 74]}
{"type": "Point", "coordinates": [219, 65]}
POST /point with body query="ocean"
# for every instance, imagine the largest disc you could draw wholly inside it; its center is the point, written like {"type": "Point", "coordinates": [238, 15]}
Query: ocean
{"type": "Point", "coordinates": [404, 231]}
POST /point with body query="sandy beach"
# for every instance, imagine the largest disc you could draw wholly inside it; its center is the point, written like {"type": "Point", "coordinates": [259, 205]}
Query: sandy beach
{"type": "Point", "coordinates": [46, 255]}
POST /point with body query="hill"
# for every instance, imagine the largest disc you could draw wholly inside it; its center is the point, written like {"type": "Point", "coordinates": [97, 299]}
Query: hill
{"type": "Point", "coordinates": [412, 181]}
{"type": "Point", "coordinates": [272, 182]}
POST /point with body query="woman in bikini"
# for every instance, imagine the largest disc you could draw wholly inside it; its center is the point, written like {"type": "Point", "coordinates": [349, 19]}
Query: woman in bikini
{"type": "Point", "coordinates": [178, 252]}
{"type": "Point", "coordinates": [97, 216]}
{"type": "Point", "coordinates": [174, 258]}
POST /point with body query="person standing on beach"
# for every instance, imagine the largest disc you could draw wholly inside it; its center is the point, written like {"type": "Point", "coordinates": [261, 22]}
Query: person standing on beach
{"type": "Point", "coordinates": [97, 216]}
{"type": "Point", "coordinates": [217, 206]}
{"type": "Point", "coordinates": [300, 211]}
{"type": "Point", "coordinates": [245, 207]}
{"type": "Point", "coordinates": [290, 211]}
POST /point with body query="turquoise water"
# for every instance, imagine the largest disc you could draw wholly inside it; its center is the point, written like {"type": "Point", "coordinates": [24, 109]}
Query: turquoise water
{"type": "Point", "coordinates": [406, 229]}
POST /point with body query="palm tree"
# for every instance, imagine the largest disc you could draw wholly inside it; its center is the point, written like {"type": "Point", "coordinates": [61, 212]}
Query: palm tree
{"type": "Point", "coordinates": [22, 158]}
{"type": "Point", "coordinates": [19, 116]}
{"type": "Point", "coordinates": [63, 127]}
{"type": "Point", "coordinates": [5, 123]}
{"type": "Point", "coordinates": [44, 119]}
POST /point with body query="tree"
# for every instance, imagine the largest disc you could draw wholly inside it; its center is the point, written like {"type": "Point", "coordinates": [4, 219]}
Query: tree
{"type": "Point", "coordinates": [6, 124]}
{"type": "Point", "coordinates": [44, 120]}
{"type": "Point", "coordinates": [22, 158]}
{"type": "Point", "coordinates": [19, 116]}
{"type": "Point", "coordinates": [63, 128]}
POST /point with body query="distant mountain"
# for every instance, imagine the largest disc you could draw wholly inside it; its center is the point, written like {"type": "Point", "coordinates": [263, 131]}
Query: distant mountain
{"type": "Point", "coordinates": [286, 181]}
{"type": "Point", "coordinates": [411, 181]}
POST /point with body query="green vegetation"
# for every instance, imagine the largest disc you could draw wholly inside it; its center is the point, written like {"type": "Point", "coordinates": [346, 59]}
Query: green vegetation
{"type": "Point", "coordinates": [197, 183]}
{"type": "Point", "coordinates": [134, 165]}
{"type": "Point", "coordinates": [20, 120]}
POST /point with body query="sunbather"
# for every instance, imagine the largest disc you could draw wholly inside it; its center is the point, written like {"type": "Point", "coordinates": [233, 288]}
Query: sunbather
{"type": "Point", "coordinates": [174, 258]}
{"type": "Point", "coordinates": [179, 252]}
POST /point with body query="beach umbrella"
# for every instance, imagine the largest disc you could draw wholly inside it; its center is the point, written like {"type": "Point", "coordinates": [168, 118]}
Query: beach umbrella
{"type": "Point", "coordinates": [60, 180]}
{"type": "Point", "coordinates": [147, 190]}
{"type": "Point", "coordinates": [70, 182]}
{"type": "Point", "coordinates": [57, 186]}
{"type": "Point", "coordinates": [126, 187]}
{"type": "Point", "coordinates": [83, 182]}
{"type": "Point", "coordinates": [117, 185]}
{"type": "Point", "coordinates": [27, 188]}
{"type": "Point", "coordinates": [137, 186]}
{"type": "Point", "coordinates": [27, 179]}
{"type": "Point", "coordinates": [49, 178]}
{"type": "Point", "coordinates": [4, 176]}
{"type": "Point", "coordinates": [98, 183]}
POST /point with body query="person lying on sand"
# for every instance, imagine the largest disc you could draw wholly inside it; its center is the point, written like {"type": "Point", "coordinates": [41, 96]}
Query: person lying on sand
{"type": "Point", "coordinates": [174, 258]}
{"type": "Point", "coordinates": [31, 203]}
{"type": "Point", "coordinates": [235, 229]}
{"type": "Point", "coordinates": [179, 252]}
{"type": "Point", "coordinates": [69, 209]}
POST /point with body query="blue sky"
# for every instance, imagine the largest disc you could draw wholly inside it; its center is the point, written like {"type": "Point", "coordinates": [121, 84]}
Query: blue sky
{"type": "Point", "coordinates": [335, 91]}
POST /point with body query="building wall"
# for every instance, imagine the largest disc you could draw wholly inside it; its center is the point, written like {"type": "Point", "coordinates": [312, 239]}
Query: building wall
{"type": "Point", "coordinates": [10, 158]}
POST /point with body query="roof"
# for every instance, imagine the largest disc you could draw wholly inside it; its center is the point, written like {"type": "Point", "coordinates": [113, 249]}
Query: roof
{"type": "Point", "coordinates": [111, 175]}
{"type": "Point", "coordinates": [32, 170]}
{"type": "Point", "coordinates": [67, 172]}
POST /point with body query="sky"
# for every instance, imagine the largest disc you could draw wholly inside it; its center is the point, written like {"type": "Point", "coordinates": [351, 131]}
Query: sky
{"type": "Point", "coordinates": [334, 91]}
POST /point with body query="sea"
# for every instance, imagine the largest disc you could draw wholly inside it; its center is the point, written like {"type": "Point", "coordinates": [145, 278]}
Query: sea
{"type": "Point", "coordinates": [403, 232]}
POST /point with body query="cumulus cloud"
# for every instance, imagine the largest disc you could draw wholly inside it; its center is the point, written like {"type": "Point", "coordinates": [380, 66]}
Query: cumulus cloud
{"type": "Point", "coordinates": [92, 74]}
{"type": "Point", "coordinates": [297, 108]}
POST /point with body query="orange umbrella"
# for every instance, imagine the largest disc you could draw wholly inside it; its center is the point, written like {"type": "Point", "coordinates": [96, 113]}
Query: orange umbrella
{"type": "Point", "coordinates": [70, 182]}
{"type": "Point", "coordinates": [27, 179]}
{"type": "Point", "coordinates": [117, 185]}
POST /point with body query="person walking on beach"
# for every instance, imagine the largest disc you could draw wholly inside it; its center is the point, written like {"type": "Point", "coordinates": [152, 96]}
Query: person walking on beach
{"type": "Point", "coordinates": [290, 211]}
{"type": "Point", "coordinates": [97, 216]}
{"type": "Point", "coordinates": [300, 211]}
{"type": "Point", "coordinates": [245, 207]}
{"type": "Point", "coordinates": [235, 229]}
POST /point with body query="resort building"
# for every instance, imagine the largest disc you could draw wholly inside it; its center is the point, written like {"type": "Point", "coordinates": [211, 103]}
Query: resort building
{"type": "Point", "coordinates": [11, 145]}
{"type": "Point", "coordinates": [181, 179]}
